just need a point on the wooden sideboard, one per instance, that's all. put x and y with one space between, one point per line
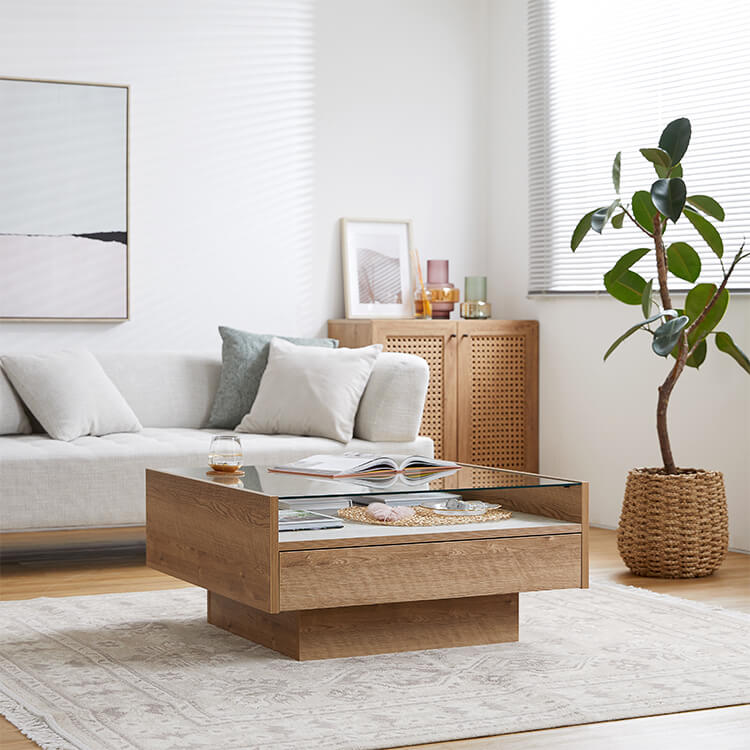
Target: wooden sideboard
482 403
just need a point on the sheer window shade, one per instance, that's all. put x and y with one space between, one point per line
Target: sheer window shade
605 77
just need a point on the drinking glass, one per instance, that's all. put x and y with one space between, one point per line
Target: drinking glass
225 453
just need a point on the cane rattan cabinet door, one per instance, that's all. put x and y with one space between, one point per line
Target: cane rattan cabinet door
436 343
498 394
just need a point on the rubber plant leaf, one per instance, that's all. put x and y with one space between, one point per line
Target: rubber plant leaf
616 166
708 205
725 344
668 334
675 139
683 261
668 195
646 301
601 216
657 156
622 283
706 230
695 302
581 230
644 210
636 327
675 171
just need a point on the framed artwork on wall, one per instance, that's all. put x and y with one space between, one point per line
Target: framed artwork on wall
63 201
377 263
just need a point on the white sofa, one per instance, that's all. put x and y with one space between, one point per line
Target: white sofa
99 481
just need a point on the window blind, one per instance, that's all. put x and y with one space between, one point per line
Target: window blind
608 77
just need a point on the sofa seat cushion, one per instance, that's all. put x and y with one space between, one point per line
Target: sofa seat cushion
100 481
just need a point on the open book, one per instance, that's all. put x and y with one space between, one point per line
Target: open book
364 465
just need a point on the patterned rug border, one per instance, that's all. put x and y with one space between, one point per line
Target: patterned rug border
45 732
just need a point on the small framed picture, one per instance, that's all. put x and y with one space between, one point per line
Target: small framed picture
377 259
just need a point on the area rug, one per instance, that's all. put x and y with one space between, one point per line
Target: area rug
146 671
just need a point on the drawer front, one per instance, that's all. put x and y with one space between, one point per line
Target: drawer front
313 579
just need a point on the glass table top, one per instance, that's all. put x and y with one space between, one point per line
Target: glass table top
295 486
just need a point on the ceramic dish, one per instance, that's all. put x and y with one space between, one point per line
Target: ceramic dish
468 508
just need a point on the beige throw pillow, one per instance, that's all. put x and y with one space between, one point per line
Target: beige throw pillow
13 419
70 394
310 391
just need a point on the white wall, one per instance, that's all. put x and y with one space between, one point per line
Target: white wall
398 116
598 419
207 246
400 129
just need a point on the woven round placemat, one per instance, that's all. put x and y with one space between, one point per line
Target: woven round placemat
423 517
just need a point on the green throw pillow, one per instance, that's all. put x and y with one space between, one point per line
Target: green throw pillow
244 357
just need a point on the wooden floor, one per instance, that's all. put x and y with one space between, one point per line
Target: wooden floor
725 728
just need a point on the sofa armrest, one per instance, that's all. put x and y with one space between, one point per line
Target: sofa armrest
391 406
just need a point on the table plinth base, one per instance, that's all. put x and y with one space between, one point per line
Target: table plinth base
372 629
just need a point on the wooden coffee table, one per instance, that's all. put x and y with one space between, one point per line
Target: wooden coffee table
365 589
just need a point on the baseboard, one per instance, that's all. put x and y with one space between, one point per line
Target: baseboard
26 546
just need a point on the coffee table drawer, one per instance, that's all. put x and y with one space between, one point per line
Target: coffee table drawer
313 579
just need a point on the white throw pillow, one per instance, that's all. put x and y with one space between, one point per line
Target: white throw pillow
13 419
309 390
70 394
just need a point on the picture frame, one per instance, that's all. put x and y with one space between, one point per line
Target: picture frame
377 268
64 231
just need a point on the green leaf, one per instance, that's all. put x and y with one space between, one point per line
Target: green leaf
725 344
683 261
602 215
657 157
706 230
581 230
616 164
617 220
629 259
669 196
698 357
644 210
675 139
675 171
622 283
646 301
708 205
695 302
668 334
634 328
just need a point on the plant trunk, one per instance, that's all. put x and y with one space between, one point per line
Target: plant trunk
665 389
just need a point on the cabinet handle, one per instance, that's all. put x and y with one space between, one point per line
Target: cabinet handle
452 336
464 335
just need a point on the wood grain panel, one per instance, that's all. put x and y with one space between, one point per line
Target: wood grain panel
279 631
223 539
472 532
374 629
561 502
409 572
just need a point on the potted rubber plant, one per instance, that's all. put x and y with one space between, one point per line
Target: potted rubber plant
674 520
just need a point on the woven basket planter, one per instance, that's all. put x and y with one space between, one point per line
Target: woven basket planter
673 525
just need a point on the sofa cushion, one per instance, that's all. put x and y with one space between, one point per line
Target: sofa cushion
244 357
311 391
165 389
70 394
13 419
391 406
100 481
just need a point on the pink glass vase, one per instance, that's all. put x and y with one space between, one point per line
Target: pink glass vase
443 294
